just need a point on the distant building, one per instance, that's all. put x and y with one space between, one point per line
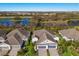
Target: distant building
69 34
73 22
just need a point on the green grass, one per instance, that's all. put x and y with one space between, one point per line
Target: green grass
68 48
28 49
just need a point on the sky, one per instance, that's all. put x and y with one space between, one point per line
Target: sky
39 6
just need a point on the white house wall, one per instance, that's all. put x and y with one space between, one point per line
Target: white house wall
25 39
34 39
56 38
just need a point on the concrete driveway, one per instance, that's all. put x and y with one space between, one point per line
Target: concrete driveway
53 52
42 52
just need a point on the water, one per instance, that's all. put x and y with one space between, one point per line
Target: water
8 22
24 22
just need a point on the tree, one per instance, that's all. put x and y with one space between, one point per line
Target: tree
31 50
68 48
28 49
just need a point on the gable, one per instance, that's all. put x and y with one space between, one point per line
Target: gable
47 41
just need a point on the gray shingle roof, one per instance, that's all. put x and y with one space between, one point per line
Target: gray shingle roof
20 32
43 35
2 39
70 33
12 41
24 32
3 33
16 36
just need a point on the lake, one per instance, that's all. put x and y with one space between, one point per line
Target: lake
10 22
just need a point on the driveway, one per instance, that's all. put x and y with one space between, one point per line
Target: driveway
53 52
42 52
13 52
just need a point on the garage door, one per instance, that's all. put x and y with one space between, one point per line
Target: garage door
53 52
41 46
51 46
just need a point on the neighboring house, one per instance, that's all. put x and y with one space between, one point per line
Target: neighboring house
69 34
12 42
4 49
15 42
16 39
73 22
21 32
44 39
2 39
2 35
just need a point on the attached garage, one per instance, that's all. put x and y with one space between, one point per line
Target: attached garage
42 46
51 46
46 46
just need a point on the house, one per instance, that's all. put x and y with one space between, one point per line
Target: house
69 34
73 22
2 39
15 42
2 35
44 39
16 39
4 49
21 32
